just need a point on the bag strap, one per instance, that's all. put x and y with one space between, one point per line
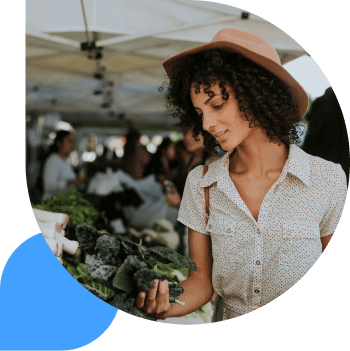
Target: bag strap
206 190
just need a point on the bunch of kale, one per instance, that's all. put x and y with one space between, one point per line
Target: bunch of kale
123 269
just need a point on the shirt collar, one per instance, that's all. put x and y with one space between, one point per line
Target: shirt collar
297 164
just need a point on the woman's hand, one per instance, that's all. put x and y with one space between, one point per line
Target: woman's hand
78 181
156 302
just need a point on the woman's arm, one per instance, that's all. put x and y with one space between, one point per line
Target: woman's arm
198 286
325 240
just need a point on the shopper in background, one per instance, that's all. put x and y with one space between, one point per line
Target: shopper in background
57 174
327 136
192 154
135 158
161 161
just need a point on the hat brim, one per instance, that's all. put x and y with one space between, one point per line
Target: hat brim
173 64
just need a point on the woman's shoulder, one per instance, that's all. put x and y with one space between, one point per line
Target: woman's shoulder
326 170
211 159
53 158
196 174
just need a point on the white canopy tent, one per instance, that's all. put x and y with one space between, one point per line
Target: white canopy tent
136 37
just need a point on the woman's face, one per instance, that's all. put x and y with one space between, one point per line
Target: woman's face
221 118
190 143
171 152
66 146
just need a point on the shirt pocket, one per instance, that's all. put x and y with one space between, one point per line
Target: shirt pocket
224 239
301 243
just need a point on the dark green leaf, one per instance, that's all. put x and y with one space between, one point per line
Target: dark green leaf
144 279
166 255
123 280
87 237
96 287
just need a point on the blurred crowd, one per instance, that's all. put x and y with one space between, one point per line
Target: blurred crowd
171 162
148 186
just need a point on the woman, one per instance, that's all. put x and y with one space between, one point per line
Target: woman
58 175
191 153
263 233
135 158
161 161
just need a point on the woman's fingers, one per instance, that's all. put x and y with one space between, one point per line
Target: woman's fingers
162 298
150 303
156 302
140 300
163 289
153 291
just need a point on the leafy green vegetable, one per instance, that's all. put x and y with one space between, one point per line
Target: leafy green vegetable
173 270
96 287
98 270
79 272
144 279
166 255
80 211
110 250
123 280
87 237
122 267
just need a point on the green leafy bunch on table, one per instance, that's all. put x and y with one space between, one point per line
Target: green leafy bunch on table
116 270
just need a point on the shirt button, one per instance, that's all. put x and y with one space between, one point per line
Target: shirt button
257 291
209 226
257 262
229 230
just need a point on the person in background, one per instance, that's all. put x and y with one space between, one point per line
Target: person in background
57 174
135 158
192 153
327 136
161 161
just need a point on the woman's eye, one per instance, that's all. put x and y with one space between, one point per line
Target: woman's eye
215 107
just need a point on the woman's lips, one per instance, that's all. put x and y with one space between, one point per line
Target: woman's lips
220 135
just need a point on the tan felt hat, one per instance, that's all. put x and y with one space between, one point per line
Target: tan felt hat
253 48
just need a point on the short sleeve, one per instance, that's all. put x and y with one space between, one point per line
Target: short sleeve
192 209
335 207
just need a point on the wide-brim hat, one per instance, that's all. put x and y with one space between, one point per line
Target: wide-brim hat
253 48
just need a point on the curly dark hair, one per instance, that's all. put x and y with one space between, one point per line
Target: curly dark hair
263 99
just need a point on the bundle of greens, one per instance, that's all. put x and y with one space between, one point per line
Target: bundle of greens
72 203
116 270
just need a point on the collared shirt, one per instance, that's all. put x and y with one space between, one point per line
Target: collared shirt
57 172
256 261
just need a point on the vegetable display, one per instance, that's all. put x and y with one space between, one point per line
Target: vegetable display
116 270
52 227
162 233
72 203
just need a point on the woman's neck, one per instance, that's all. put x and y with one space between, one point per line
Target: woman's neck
258 161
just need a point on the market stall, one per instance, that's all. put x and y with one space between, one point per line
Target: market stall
115 269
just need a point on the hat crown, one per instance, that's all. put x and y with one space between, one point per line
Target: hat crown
249 41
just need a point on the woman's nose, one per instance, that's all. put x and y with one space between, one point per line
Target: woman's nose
208 122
